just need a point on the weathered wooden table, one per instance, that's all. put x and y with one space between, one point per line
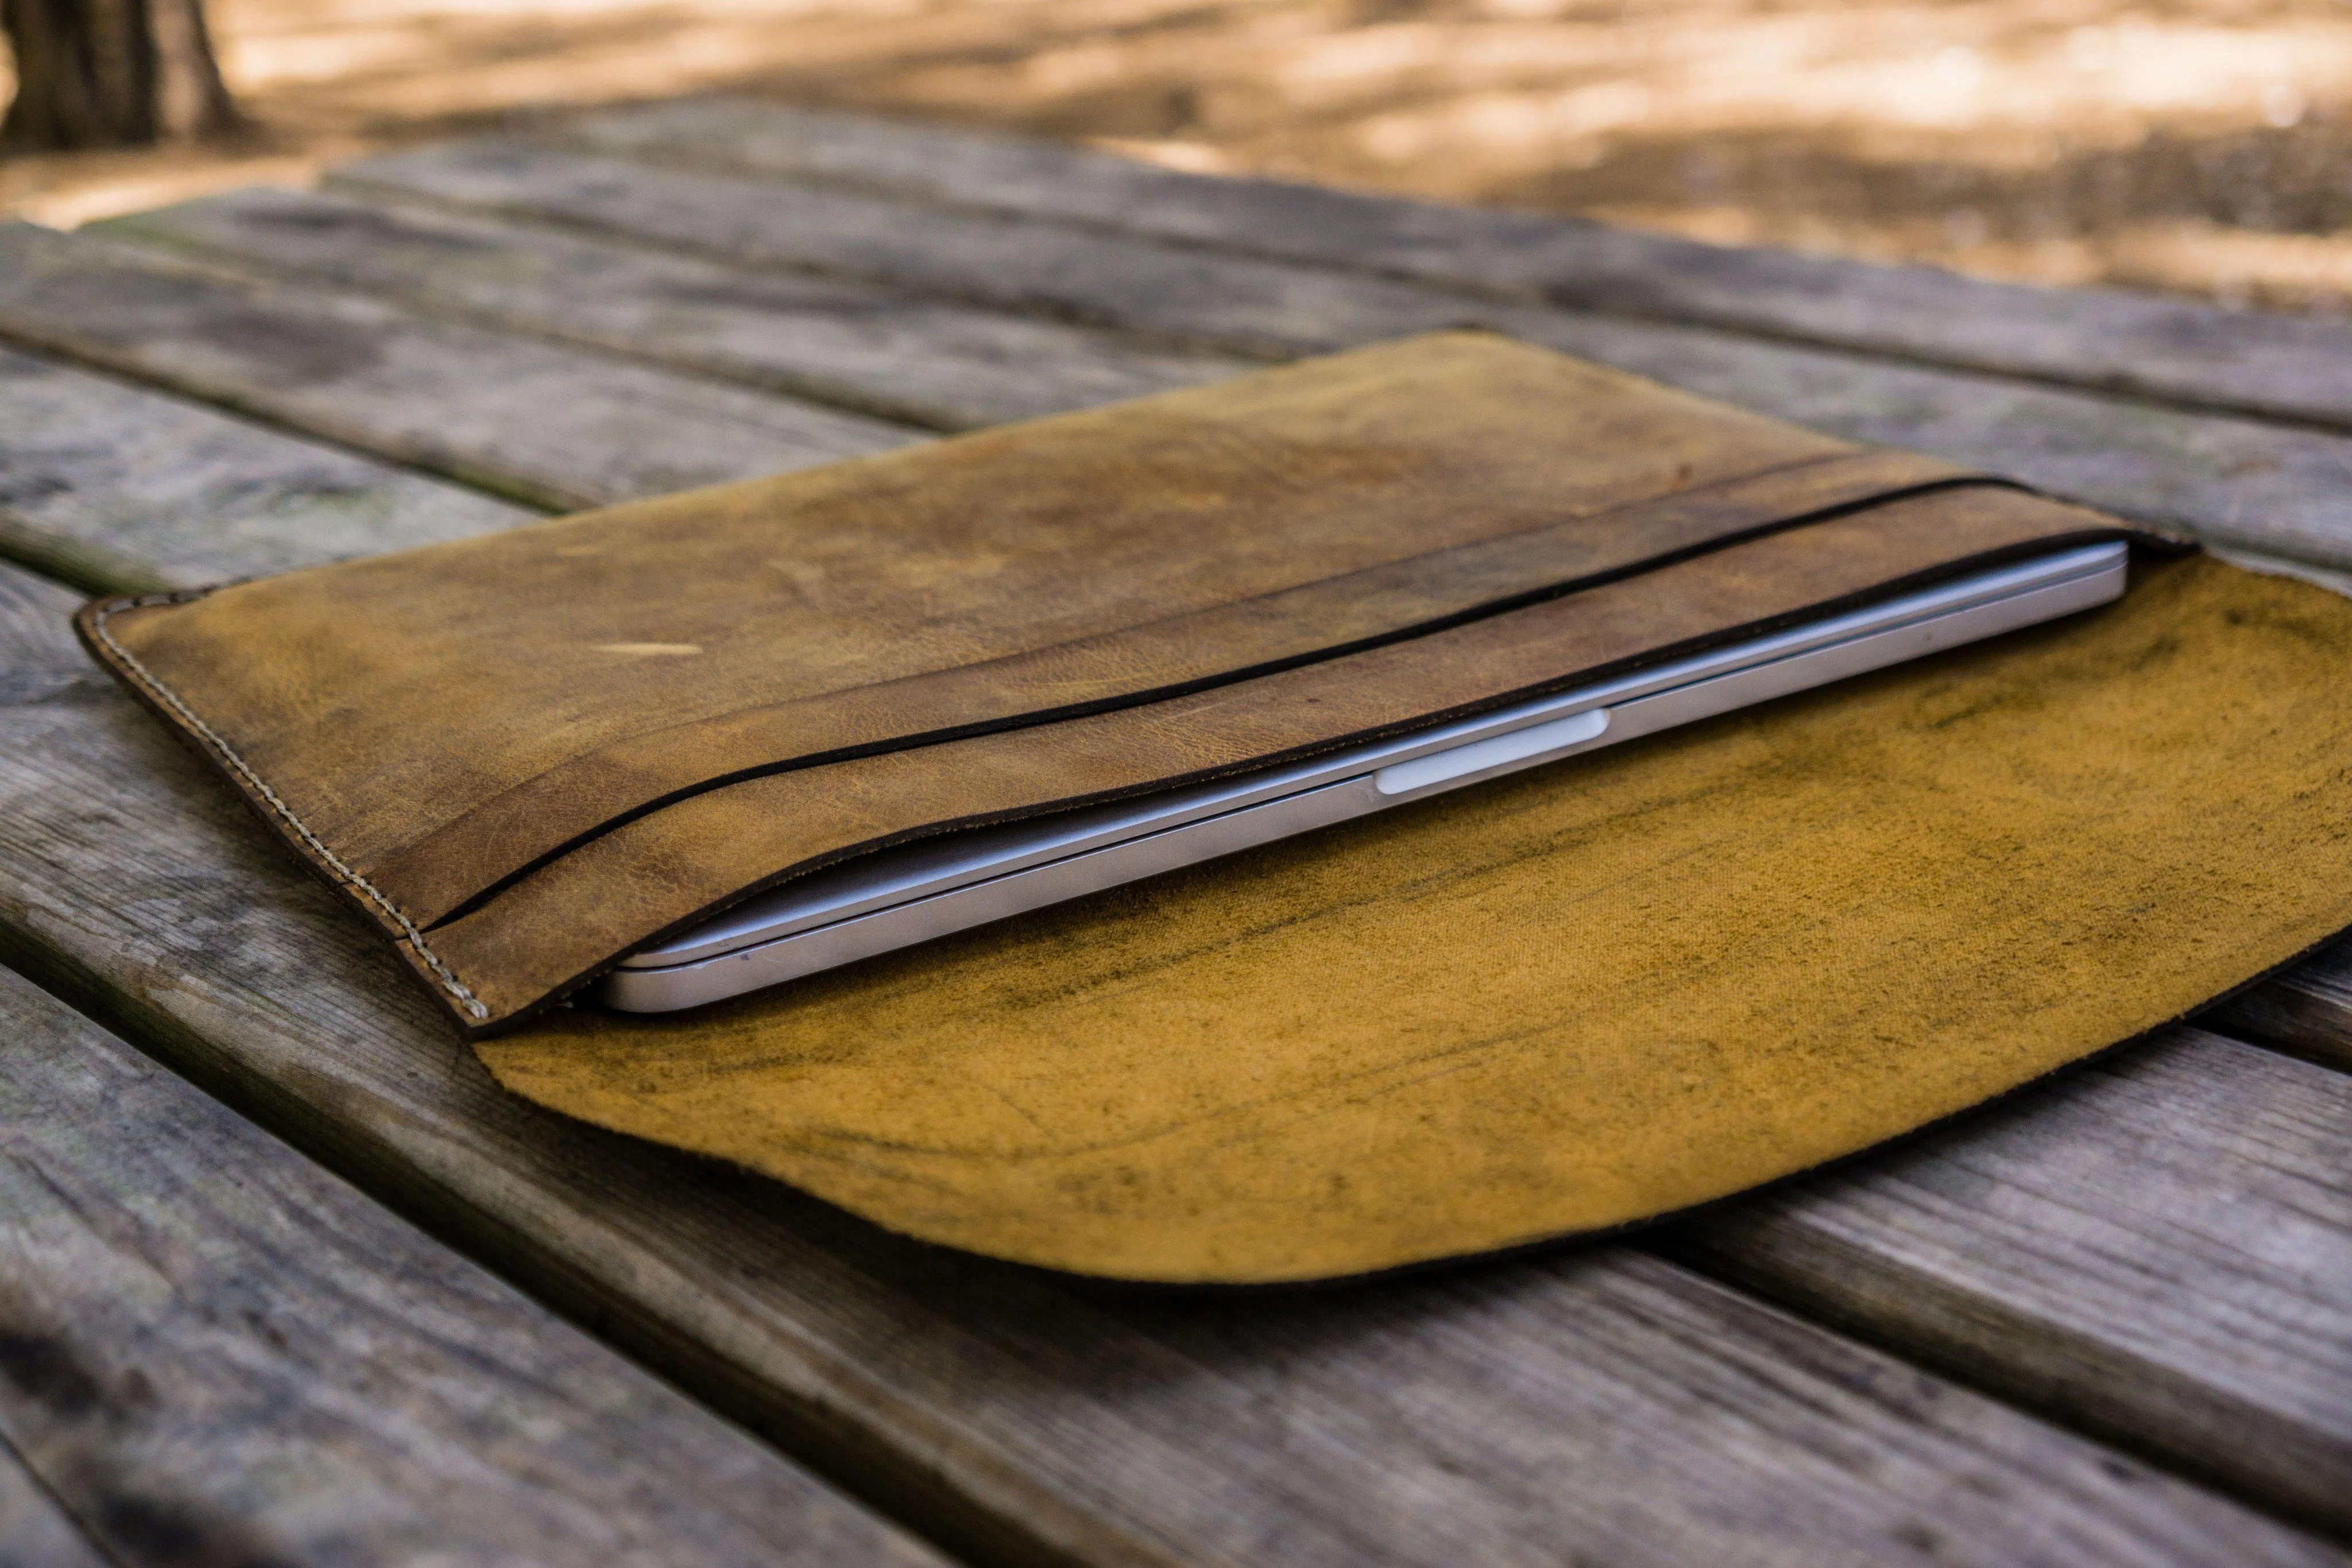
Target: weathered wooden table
291 1281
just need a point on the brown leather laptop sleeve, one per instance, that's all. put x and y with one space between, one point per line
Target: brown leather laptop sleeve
526 755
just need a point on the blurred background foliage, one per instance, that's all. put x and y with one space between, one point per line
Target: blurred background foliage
2202 146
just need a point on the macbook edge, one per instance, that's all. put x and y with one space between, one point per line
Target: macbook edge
895 897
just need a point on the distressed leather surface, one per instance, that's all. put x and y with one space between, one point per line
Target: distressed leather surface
556 926
527 754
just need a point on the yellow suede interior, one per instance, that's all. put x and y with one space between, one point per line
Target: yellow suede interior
1573 999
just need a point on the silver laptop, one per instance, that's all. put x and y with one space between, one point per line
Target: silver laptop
960 880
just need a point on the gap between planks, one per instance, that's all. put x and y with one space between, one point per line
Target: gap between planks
1593 1399
2307 1010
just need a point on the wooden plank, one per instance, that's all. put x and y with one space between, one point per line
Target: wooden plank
2308 1009
2176 350
119 489
946 366
550 425
1595 1404
214 1351
34 1532
2264 487
2160 1248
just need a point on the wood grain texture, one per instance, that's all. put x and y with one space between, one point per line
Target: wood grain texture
2236 481
550 425
116 488
946 366
34 1532
981 1501
1598 1405
2161 1247
211 1350
2308 1009
2176 350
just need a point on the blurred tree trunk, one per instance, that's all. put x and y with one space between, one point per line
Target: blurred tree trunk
111 73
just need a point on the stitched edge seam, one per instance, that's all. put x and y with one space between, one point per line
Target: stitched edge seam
416 938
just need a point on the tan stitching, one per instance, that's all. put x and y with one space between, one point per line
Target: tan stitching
211 737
